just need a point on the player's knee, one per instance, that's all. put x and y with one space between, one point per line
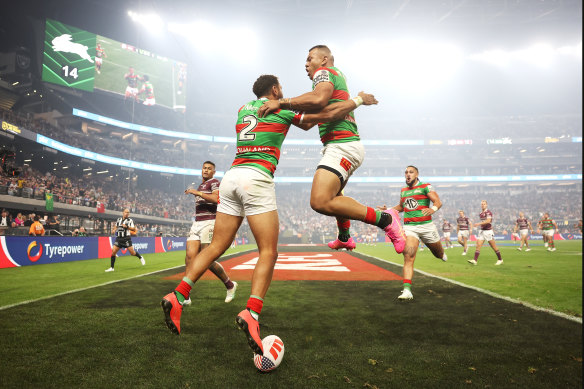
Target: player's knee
319 204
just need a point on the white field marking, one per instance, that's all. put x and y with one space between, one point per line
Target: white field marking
107 283
488 292
316 262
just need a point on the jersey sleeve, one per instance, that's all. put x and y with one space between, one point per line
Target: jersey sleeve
321 75
215 185
428 189
291 117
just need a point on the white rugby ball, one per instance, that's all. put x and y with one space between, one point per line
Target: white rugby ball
273 354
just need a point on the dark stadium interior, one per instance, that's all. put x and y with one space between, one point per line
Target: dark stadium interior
518 121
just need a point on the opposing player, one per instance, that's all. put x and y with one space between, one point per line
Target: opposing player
463 227
148 90
523 225
206 197
415 203
343 153
548 227
486 233
99 56
123 229
247 190
446 229
132 88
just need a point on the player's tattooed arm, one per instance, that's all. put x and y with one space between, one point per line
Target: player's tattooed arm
315 100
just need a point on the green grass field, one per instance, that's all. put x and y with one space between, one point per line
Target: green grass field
161 73
336 333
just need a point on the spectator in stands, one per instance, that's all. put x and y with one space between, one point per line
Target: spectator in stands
82 231
54 222
6 220
29 220
18 220
36 229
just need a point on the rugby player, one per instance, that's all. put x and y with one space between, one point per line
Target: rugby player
463 227
247 190
343 153
99 56
132 88
486 233
206 197
446 229
548 227
523 224
415 203
148 90
123 229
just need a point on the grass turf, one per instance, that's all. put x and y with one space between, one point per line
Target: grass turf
336 333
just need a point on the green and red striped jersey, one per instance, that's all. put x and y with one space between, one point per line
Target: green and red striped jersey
413 200
259 140
547 224
340 131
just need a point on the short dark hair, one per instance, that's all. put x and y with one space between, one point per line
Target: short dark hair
417 171
209 162
265 82
321 47
37 218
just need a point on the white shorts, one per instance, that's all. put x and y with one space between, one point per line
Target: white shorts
447 235
463 234
131 91
98 60
202 231
548 233
523 232
427 233
343 158
151 101
487 235
246 191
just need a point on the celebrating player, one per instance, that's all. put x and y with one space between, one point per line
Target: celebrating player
463 227
415 203
148 90
123 229
446 229
99 56
548 227
132 88
247 190
343 153
486 233
522 224
206 197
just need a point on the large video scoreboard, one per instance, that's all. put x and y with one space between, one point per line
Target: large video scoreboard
79 59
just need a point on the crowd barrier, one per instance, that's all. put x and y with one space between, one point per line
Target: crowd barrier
24 251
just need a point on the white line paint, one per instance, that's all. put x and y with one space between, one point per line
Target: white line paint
488 292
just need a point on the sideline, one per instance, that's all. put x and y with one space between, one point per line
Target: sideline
487 292
111 282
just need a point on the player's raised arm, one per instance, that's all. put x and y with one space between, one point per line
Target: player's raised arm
336 111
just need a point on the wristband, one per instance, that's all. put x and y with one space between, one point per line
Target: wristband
434 208
357 100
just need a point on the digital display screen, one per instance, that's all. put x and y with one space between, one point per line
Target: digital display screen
79 59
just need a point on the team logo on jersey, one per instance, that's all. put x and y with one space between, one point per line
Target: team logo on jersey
30 251
410 203
345 164
63 43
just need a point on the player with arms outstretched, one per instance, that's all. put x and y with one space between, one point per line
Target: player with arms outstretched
247 190
123 229
343 153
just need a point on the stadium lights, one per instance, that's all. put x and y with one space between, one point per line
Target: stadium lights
15 83
151 21
87 169
127 135
102 172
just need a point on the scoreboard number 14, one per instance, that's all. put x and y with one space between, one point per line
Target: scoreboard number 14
69 72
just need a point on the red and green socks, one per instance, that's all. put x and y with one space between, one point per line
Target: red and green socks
183 290
254 306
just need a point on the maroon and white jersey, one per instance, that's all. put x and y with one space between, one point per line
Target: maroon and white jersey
523 224
463 223
204 209
486 214
446 227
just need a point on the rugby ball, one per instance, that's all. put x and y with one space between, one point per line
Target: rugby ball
273 354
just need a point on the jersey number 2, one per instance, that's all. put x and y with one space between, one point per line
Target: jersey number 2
245 134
